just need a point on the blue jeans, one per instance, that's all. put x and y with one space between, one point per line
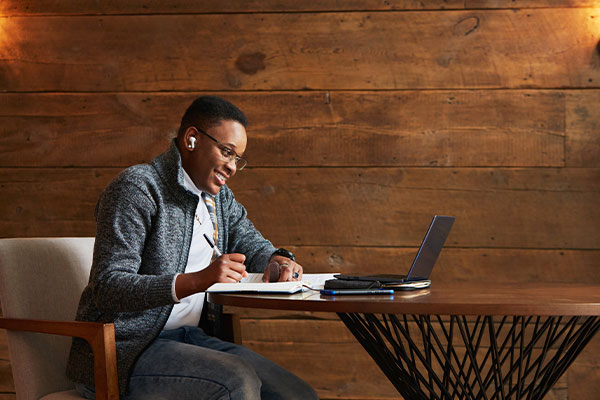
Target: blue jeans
186 363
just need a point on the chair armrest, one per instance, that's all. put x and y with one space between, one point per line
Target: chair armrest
101 338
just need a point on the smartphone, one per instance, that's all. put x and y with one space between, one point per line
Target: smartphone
337 292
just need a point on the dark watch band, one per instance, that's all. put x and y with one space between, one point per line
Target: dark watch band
284 253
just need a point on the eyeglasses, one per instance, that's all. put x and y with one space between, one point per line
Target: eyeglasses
227 152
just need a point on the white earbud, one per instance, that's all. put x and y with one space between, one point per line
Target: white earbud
192 142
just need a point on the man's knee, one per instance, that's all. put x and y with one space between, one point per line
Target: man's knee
300 391
177 368
242 380
237 387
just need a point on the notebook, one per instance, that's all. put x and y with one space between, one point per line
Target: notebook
253 284
421 268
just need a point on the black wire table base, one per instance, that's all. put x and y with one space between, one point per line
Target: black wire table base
485 357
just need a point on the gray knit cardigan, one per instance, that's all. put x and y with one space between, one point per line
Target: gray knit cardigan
144 230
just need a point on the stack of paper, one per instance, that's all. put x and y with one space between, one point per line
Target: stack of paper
253 283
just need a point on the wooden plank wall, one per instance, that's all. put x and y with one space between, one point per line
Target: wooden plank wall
367 117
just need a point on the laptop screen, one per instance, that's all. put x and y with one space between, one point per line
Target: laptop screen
430 248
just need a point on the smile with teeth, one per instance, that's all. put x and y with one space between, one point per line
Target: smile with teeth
220 177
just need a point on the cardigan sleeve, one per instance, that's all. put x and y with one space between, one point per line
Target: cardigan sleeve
240 234
124 217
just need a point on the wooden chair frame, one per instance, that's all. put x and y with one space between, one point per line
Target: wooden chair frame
101 338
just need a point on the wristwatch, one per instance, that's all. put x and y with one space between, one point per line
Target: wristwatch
285 253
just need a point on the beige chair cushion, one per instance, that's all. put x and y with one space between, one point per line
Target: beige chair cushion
68 395
42 278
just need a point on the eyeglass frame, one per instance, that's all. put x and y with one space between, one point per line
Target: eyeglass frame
222 147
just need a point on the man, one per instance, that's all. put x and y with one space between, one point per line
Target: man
152 264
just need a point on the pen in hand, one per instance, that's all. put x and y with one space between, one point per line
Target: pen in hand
214 247
218 252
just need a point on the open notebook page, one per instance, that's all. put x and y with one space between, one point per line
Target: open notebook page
253 283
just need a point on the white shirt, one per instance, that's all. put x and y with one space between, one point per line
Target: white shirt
187 311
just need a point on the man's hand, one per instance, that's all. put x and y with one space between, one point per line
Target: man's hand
229 268
284 268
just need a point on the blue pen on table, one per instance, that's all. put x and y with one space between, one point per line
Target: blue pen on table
337 292
215 248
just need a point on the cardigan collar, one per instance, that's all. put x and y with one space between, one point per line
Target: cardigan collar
168 166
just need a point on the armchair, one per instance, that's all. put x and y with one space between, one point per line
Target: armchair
41 280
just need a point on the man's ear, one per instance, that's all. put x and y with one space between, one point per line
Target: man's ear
189 139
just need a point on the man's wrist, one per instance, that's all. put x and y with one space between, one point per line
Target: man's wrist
283 253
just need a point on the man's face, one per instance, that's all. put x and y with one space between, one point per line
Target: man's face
206 165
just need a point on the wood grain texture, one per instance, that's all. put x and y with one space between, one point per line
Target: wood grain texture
392 207
445 298
60 203
44 7
348 372
3 345
335 332
458 265
391 50
528 3
584 374
348 366
521 128
6 379
74 7
366 117
583 125
349 206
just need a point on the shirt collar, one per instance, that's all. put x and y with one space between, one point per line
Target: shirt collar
189 184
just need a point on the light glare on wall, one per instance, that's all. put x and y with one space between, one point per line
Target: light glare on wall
596 17
2 29
3 35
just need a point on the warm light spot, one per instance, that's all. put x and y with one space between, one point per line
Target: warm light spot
11 32
3 34
7 37
595 26
10 49
595 17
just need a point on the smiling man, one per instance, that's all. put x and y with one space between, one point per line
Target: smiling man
152 264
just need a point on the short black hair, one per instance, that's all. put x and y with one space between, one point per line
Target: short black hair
208 111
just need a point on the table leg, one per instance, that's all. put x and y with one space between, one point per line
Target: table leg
485 357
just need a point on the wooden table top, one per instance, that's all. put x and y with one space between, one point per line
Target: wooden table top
441 298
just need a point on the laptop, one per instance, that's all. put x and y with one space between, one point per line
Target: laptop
420 270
